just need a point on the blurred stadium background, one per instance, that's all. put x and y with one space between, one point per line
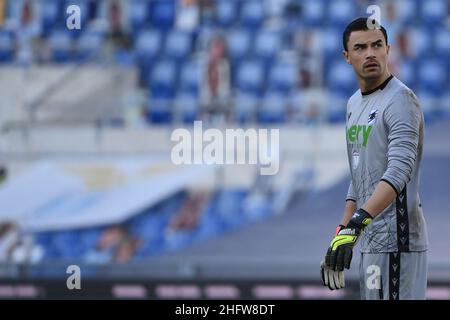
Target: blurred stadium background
86 118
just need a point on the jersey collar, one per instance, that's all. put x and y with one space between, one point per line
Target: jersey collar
380 87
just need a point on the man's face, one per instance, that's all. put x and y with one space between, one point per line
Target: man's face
367 53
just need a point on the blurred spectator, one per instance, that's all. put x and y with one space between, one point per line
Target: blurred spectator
8 237
207 11
216 79
189 214
188 14
126 250
106 248
119 38
2 11
27 33
16 247
3 174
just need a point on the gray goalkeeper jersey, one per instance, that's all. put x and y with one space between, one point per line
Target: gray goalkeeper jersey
384 142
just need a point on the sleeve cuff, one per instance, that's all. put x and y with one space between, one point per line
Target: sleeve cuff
350 199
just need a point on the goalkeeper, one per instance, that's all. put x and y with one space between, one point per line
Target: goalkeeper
384 134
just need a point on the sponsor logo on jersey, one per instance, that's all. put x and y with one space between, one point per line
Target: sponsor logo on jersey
359 134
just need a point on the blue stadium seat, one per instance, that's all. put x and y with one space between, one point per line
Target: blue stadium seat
331 42
442 43
341 12
313 12
273 108
226 12
89 44
191 77
239 42
429 103
420 42
252 14
186 107
434 12
147 49
61 46
250 77
245 107
162 91
406 11
162 14
178 240
50 15
267 44
432 77
138 12
407 72
337 107
341 78
163 78
6 47
67 244
283 76
178 45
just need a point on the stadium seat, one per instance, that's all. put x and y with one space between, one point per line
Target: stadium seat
420 42
273 108
50 15
406 11
283 76
239 44
6 47
267 44
432 77
191 77
138 13
313 12
341 12
226 12
245 107
250 77
186 107
407 72
434 12
178 45
147 49
162 14
429 104
88 45
341 78
163 77
61 46
442 43
252 14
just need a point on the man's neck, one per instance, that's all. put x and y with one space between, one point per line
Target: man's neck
366 85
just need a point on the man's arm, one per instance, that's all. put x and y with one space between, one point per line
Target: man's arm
350 208
383 196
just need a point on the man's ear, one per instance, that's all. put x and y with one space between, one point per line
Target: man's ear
345 54
388 47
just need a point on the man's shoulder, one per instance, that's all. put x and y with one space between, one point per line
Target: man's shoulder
355 98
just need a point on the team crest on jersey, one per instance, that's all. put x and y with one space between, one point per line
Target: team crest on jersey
372 116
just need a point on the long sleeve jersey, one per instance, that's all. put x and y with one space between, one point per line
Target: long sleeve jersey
384 131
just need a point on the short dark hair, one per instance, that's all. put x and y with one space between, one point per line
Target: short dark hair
359 24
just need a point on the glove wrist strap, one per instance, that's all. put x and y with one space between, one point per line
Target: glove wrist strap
360 219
